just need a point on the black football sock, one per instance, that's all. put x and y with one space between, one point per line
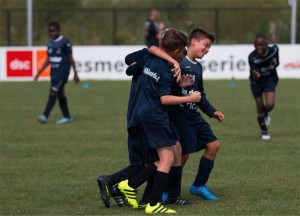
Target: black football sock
265 110
63 103
50 105
160 182
125 173
262 123
143 176
148 190
174 184
204 170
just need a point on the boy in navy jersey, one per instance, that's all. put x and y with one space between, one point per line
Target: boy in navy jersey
60 58
263 78
148 118
107 183
148 122
195 133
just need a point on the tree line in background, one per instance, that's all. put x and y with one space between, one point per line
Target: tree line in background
120 22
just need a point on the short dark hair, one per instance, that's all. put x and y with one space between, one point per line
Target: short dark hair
172 39
199 34
262 36
54 24
155 9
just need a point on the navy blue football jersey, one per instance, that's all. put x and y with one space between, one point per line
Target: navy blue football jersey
189 110
153 81
265 65
58 51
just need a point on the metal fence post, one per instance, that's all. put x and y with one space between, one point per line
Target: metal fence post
29 22
293 4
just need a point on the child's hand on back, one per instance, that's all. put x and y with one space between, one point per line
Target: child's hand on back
177 71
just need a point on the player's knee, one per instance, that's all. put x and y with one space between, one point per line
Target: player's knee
213 146
168 161
177 160
270 106
184 159
53 93
177 150
171 160
61 94
61 97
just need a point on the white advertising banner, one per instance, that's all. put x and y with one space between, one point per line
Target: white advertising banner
102 62
231 61
107 62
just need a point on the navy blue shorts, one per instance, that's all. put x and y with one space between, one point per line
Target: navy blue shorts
136 150
194 135
143 140
155 135
174 131
259 88
58 85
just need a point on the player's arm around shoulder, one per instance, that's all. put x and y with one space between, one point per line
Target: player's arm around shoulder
154 50
135 56
135 68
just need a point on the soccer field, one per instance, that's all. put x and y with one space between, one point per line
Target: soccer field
52 169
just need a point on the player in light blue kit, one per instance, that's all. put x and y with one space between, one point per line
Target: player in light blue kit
60 58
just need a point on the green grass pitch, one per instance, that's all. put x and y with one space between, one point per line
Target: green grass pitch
52 169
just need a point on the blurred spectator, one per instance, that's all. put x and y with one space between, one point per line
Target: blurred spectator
152 28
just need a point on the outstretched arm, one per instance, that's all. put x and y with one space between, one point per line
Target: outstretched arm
219 116
46 63
72 62
277 60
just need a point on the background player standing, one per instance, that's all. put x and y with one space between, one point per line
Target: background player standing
60 58
152 28
263 80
